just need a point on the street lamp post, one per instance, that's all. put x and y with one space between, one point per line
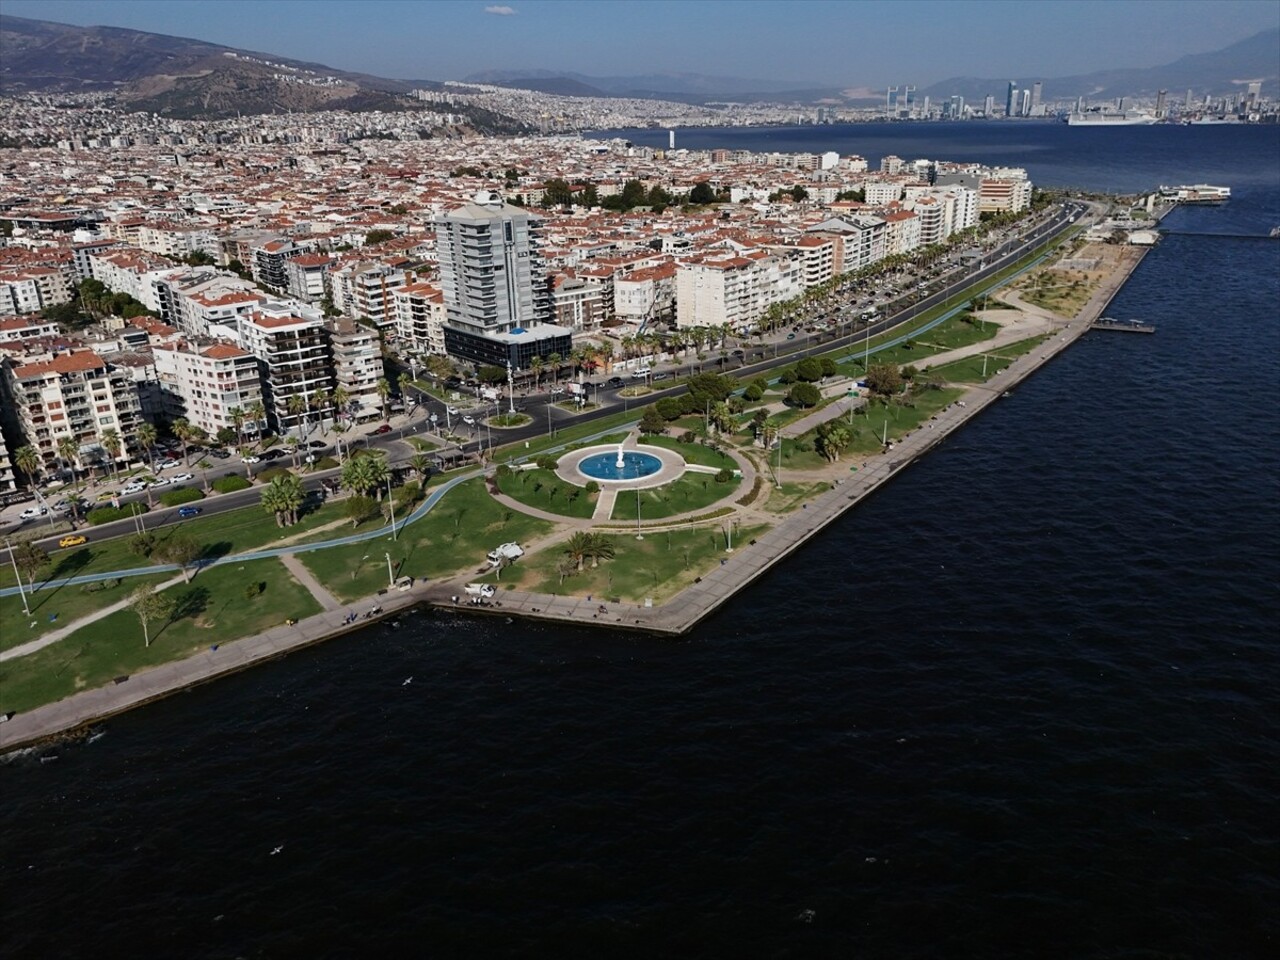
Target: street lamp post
511 391
17 576
639 535
391 577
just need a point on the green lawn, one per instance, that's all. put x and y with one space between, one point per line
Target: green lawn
789 496
543 490
422 446
691 493
659 566
565 436
693 452
67 603
900 417
213 608
970 369
453 537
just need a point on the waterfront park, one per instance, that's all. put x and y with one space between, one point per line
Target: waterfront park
632 508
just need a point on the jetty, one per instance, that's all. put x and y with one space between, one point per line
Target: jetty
1124 326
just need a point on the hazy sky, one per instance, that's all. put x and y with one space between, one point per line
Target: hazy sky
835 42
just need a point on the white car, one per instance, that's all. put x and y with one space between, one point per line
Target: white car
159 482
453 411
182 478
134 487
469 420
252 459
166 464
32 512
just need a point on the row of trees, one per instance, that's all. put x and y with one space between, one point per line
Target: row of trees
558 192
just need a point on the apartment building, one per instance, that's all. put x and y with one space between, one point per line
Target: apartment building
357 364
307 276
363 289
76 394
8 476
816 257
730 292
902 232
646 295
295 359
267 263
29 289
577 303
1004 195
205 381
177 240
420 316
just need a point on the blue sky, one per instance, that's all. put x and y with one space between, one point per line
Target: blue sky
837 43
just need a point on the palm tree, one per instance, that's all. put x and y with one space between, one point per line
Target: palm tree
293 443
384 391
69 450
284 497
296 405
553 360
182 429
421 465
237 416
577 548
147 434
536 366
340 400
113 445
599 548
258 414
321 398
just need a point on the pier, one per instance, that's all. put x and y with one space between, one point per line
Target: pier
1123 326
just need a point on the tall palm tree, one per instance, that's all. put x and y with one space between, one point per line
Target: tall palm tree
237 416
340 400
27 459
296 405
536 366
147 434
578 548
553 361
599 548
69 451
183 430
112 443
293 443
258 414
320 400
284 497
420 463
383 387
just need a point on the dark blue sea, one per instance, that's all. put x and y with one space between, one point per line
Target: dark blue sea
1020 704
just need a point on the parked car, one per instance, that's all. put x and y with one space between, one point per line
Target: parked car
74 540
136 486
317 444
159 482
166 464
272 454
182 478
220 454
188 511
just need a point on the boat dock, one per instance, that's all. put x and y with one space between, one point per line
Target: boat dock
1125 326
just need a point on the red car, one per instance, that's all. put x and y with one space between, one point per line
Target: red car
378 431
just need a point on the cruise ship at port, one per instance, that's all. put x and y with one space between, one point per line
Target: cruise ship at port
1111 118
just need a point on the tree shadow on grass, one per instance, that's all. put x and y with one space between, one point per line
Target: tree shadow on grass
69 564
212 552
189 605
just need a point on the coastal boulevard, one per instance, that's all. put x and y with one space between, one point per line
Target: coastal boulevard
735 570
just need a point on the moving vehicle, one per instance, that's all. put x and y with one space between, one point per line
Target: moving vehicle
251 459
135 486
380 430
507 551
32 512
480 590
613 382
640 373
188 511
182 478
317 444
74 540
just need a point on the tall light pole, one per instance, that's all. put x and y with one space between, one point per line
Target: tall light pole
639 535
391 502
391 577
511 390
17 576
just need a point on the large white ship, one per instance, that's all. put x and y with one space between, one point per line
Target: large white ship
1110 118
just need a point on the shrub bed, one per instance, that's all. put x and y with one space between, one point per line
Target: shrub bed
172 498
100 515
231 483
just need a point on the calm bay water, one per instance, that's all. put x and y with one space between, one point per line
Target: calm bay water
1020 704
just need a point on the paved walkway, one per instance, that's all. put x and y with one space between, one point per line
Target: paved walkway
304 577
53 636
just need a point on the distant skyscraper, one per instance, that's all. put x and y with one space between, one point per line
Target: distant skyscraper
1025 110
1010 99
1186 104
671 139
989 106
1160 105
1255 91
1035 96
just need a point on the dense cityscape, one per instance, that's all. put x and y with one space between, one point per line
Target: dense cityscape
184 268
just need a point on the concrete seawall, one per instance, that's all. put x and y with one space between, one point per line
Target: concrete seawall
748 562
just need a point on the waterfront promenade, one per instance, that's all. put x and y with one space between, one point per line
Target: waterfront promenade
676 616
